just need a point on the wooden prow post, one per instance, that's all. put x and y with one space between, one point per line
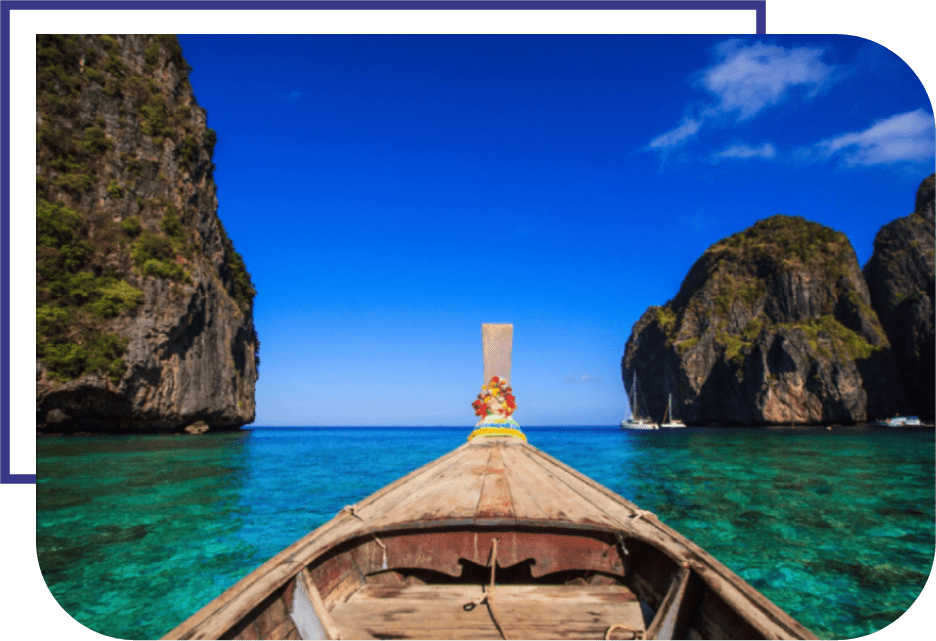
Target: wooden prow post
497 342
496 403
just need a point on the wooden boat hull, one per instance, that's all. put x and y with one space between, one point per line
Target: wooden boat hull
496 539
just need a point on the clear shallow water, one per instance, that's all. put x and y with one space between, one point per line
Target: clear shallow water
135 533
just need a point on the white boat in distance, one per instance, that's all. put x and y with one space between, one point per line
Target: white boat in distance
637 422
901 421
672 422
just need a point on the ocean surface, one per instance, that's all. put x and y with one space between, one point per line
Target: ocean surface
135 533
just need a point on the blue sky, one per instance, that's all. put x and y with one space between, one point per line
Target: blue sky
391 193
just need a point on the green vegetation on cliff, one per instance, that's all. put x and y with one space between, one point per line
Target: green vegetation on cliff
847 342
782 242
107 123
741 271
74 291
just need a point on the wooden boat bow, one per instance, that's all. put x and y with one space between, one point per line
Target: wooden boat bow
436 526
495 539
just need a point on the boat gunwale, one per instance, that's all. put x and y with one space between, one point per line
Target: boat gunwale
698 560
238 600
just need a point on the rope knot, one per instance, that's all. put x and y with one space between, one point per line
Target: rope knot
635 634
349 509
488 596
642 514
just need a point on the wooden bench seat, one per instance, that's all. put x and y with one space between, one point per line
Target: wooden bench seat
524 612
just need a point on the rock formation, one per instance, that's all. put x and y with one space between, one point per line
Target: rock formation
772 325
144 311
900 277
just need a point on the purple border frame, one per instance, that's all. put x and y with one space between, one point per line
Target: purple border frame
759 6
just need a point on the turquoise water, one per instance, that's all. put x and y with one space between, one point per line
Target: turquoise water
135 533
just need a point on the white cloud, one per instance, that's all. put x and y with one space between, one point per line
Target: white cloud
904 137
745 80
751 78
742 151
676 136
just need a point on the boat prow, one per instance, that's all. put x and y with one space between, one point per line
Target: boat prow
494 539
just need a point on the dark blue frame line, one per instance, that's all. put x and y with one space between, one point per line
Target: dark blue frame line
759 6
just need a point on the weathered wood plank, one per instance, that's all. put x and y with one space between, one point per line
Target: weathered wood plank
548 491
495 506
377 503
335 578
442 550
451 493
324 616
283 630
664 623
523 497
524 611
593 497
497 346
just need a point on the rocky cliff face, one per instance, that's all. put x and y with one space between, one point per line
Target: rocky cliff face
900 277
144 311
772 325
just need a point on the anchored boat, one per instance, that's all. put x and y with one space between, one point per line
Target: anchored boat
901 421
637 422
495 539
670 421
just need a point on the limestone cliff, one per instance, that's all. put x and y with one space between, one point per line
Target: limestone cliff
144 311
900 276
772 325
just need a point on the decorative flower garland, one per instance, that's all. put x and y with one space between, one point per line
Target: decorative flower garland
496 399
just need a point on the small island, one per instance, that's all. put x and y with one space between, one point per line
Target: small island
779 325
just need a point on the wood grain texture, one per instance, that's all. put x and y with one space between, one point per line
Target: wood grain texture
524 611
497 348
550 495
448 492
495 505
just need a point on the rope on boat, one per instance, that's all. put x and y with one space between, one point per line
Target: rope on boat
620 541
636 634
488 596
350 510
382 545
641 513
